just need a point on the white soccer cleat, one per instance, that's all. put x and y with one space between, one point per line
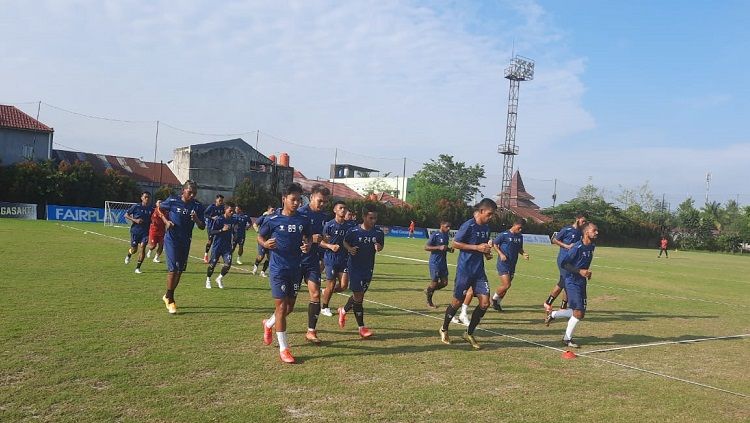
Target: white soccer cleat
455 320
148 254
464 319
239 261
263 274
255 269
156 259
208 283
138 271
326 312
127 260
218 282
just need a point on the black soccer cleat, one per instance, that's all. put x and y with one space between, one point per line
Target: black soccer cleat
570 343
496 306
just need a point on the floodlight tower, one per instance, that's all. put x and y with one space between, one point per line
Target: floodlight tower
520 69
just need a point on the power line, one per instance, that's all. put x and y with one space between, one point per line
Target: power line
98 117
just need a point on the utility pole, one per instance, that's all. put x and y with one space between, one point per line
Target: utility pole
554 194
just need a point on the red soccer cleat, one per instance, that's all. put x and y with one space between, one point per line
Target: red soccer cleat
267 334
286 356
342 317
365 333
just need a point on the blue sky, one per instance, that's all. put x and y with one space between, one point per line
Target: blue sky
624 92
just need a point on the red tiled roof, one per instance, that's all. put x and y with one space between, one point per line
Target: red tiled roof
530 214
136 169
386 198
337 190
11 117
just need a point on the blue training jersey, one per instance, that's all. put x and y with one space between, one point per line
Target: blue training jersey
361 265
212 211
567 235
510 244
471 263
239 225
335 232
438 259
288 232
178 212
579 256
222 240
317 220
139 211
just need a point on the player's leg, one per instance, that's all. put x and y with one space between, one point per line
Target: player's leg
505 282
258 258
141 252
208 246
212 261
267 257
174 267
460 290
133 246
151 244
241 245
577 302
463 316
330 274
359 287
226 257
313 307
159 249
482 290
432 287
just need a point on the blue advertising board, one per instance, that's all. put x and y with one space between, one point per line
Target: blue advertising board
402 232
83 214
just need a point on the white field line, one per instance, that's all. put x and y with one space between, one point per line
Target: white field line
653 344
674 297
497 333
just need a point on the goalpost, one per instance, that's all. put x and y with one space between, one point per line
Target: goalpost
114 213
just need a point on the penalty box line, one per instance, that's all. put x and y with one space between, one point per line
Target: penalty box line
653 344
627 366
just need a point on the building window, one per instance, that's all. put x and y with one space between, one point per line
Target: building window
28 151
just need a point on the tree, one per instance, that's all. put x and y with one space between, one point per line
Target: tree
380 185
253 199
456 177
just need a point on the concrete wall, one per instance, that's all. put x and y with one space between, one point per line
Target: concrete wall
12 142
363 185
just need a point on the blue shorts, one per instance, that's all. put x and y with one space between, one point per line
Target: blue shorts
576 295
225 256
138 237
479 283
261 250
311 273
561 281
437 273
177 255
359 283
238 241
285 283
332 269
505 268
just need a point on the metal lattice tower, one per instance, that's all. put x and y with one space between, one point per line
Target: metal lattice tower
520 69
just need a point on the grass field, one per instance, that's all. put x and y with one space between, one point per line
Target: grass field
83 338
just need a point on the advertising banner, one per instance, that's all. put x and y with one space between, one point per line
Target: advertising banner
402 232
83 214
17 210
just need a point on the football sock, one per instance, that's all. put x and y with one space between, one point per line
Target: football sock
265 265
359 313
224 270
313 311
550 300
496 297
571 327
170 295
208 247
258 260
210 270
562 313
476 317
281 336
564 304
271 321
138 265
325 305
430 291
349 304
450 312
464 308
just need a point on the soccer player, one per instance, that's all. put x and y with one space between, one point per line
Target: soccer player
411 229
180 215
240 223
262 253
663 246
565 238
315 213
438 247
287 234
221 246
140 215
156 233
335 257
472 242
212 212
508 245
361 242
576 262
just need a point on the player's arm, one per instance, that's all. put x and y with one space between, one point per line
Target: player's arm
380 242
164 215
264 235
213 230
558 241
198 217
430 245
352 250
483 247
326 242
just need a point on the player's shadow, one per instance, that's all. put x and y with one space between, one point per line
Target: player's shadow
221 310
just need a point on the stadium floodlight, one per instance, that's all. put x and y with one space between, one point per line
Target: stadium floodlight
520 69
